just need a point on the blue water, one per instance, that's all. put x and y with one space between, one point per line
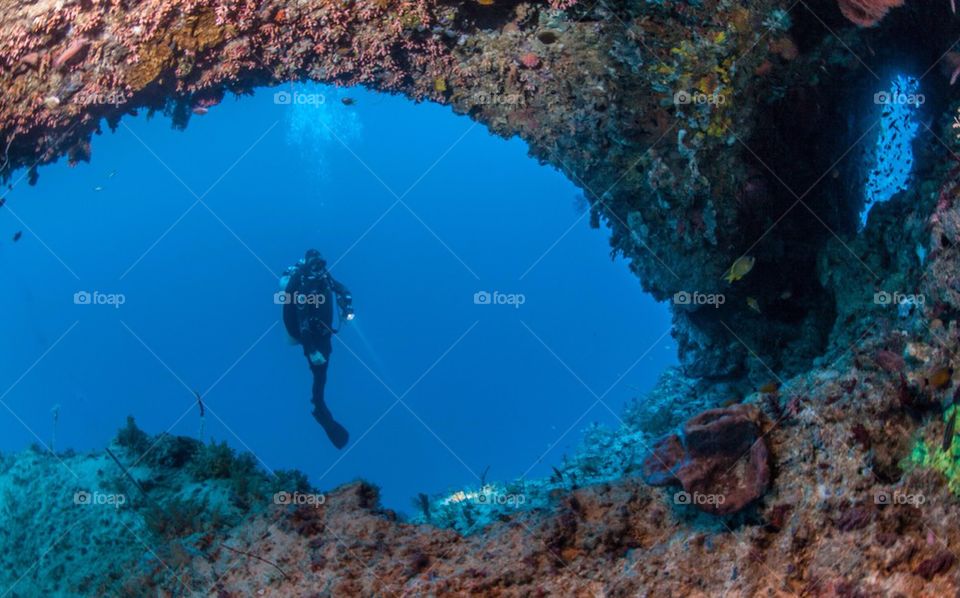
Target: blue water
892 164
479 385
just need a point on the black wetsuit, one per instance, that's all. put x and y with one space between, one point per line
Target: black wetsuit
308 318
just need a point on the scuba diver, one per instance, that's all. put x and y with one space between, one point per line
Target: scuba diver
308 292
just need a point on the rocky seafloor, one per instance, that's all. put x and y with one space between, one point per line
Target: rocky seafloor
804 447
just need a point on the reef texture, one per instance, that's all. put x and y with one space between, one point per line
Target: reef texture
701 133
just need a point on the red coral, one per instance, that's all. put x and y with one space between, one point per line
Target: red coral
867 13
854 518
936 565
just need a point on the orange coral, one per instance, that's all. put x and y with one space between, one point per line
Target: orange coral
867 13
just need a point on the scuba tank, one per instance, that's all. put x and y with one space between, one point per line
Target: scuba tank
282 291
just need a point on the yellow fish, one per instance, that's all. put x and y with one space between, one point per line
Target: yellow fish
940 378
752 304
440 84
740 268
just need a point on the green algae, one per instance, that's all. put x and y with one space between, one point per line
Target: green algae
932 456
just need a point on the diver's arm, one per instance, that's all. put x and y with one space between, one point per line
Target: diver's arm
344 298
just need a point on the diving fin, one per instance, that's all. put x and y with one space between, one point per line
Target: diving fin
337 434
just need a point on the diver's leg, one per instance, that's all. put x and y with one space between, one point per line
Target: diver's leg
337 434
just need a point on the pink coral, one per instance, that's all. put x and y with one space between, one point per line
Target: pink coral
73 53
530 60
867 13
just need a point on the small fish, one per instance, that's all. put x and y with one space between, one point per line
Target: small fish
98 188
348 101
949 432
752 304
770 387
17 235
485 2
786 294
440 84
200 110
940 378
112 174
740 268
557 475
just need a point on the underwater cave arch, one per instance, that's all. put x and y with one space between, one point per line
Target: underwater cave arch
224 256
598 92
572 81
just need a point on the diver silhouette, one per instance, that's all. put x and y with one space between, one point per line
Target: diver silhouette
308 293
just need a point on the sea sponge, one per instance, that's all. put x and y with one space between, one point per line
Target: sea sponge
152 62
